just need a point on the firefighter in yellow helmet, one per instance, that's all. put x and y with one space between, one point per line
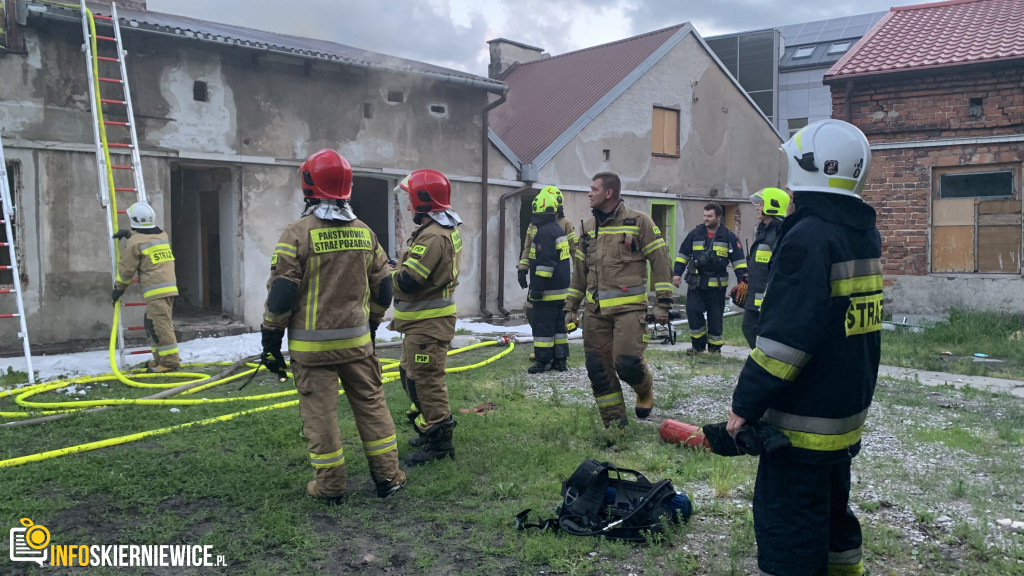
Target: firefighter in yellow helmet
610 273
549 260
147 251
772 205
425 282
326 269
523 268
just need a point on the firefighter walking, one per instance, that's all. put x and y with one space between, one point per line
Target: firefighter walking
326 268
549 260
772 205
701 262
610 272
523 268
813 372
425 282
147 252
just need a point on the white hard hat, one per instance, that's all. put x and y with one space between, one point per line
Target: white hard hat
141 215
828 156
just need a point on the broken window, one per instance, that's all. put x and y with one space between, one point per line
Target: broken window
665 132
976 220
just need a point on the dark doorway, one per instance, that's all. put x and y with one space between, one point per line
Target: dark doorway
371 201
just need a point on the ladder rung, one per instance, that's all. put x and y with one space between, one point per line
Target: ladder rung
6 291
4 244
114 80
6 268
122 211
124 189
115 123
8 315
141 351
136 328
115 167
107 59
108 101
118 145
98 17
109 38
134 303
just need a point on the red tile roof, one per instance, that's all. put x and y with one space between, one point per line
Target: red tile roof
547 96
935 35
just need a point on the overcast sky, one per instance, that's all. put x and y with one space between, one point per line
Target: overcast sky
453 33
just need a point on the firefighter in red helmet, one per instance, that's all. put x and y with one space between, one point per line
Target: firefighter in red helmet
425 282
325 267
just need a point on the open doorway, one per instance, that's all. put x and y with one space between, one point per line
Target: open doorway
373 203
203 236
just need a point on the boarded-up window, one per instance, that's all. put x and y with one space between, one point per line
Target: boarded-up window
665 132
976 220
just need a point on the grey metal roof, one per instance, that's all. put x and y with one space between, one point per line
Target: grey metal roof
202 30
829 30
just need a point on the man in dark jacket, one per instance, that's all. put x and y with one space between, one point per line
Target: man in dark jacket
813 372
703 257
772 205
549 265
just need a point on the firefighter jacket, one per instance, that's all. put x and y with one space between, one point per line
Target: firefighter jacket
148 252
425 282
531 231
610 265
705 259
813 371
550 262
758 261
324 274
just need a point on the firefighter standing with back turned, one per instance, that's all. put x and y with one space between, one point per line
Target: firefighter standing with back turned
703 257
425 282
610 271
523 268
148 252
550 262
329 286
772 205
813 372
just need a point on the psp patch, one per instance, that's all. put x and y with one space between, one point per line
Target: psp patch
423 358
831 167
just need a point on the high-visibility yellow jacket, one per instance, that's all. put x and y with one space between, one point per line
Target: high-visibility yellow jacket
431 260
610 265
148 252
531 232
324 275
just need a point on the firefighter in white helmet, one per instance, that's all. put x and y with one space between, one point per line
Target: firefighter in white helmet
147 251
813 372
329 287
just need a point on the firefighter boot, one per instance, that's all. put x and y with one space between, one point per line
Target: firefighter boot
644 403
559 365
697 346
715 349
538 367
388 486
313 491
437 444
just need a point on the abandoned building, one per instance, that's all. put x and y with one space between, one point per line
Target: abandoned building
939 91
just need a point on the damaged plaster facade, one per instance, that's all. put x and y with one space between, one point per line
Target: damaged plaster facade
220 170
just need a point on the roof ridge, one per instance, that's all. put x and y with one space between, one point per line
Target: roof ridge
631 38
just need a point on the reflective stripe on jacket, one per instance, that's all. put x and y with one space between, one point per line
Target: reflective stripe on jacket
814 369
550 261
759 261
148 254
432 258
531 231
711 272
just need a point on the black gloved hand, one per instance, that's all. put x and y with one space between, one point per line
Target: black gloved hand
373 333
271 356
123 234
522 279
116 295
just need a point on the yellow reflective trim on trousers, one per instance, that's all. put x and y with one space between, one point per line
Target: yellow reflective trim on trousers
425 314
328 345
776 368
715 342
609 400
846 569
539 344
382 446
622 301
856 285
160 291
700 334
167 352
330 460
561 340
823 442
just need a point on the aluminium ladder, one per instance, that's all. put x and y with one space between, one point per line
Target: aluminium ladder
108 69
8 217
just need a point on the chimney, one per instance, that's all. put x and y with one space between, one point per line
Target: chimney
104 5
505 53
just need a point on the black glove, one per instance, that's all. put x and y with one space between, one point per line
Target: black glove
373 334
522 279
271 356
123 234
116 295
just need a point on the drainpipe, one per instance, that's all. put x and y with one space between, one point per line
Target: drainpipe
847 107
484 148
501 245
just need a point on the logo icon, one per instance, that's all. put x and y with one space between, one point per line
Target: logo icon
831 167
28 544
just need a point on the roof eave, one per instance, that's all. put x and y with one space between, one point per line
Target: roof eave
837 78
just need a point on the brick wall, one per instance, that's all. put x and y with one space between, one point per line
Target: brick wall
928 106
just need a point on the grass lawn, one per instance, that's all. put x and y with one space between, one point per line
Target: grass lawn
939 467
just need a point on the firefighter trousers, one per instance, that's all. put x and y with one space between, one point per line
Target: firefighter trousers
422 371
613 345
160 331
710 301
802 519
550 341
318 407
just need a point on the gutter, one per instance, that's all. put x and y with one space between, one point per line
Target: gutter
847 107
485 145
501 244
